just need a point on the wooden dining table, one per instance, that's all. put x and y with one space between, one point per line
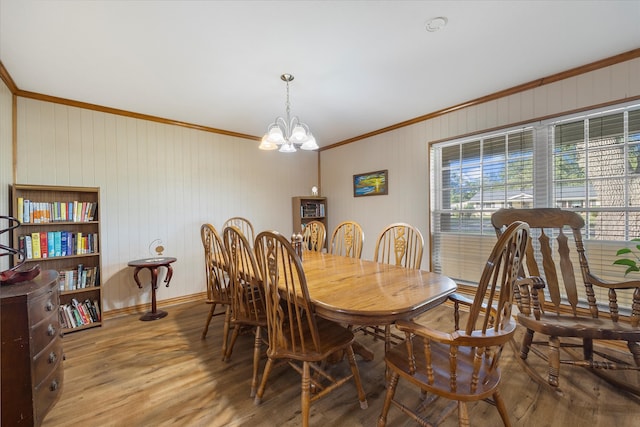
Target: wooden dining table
361 292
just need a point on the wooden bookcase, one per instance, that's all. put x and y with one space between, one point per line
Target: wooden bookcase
41 213
305 209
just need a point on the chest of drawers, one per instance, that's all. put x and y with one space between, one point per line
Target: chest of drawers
31 350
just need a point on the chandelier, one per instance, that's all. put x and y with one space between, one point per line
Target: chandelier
289 132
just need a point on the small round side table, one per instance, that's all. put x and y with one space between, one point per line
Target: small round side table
153 264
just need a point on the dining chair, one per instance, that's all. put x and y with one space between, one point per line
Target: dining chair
567 310
296 334
398 244
244 225
463 365
218 289
314 235
347 240
248 303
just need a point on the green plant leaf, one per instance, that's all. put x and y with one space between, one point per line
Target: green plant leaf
623 251
631 269
628 262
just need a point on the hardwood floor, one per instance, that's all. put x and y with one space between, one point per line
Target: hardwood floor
160 373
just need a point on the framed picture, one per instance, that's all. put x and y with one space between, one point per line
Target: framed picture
371 184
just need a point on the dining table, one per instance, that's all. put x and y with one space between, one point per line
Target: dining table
360 292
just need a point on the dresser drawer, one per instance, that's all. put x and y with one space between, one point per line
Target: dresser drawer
47 393
44 332
43 305
46 361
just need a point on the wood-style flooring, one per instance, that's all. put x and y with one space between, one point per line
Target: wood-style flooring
160 373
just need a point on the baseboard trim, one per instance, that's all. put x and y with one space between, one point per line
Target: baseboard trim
143 308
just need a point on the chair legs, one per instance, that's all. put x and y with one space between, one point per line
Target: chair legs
263 383
502 408
391 391
362 397
209 317
257 344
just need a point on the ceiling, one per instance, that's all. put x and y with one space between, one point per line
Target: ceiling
359 66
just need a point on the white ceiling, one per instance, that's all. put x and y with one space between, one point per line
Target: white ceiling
359 66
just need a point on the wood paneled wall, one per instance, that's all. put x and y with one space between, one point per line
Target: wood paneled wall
6 161
404 152
157 181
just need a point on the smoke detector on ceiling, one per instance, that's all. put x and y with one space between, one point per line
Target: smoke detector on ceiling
436 24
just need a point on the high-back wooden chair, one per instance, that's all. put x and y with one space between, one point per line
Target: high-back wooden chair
244 225
314 235
248 303
462 365
555 306
347 240
296 334
400 244
218 290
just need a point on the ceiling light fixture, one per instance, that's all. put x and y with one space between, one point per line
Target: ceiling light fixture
288 132
436 24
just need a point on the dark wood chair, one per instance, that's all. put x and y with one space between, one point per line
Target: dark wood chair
564 316
218 289
296 334
347 240
314 235
462 365
244 225
248 304
398 244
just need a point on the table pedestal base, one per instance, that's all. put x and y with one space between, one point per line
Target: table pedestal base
153 264
159 314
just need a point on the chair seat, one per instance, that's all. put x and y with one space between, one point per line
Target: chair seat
333 337
398 360
567 325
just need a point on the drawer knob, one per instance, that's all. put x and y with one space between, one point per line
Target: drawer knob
48 306
51 331
54 385
52 357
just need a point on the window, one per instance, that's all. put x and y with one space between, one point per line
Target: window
588 163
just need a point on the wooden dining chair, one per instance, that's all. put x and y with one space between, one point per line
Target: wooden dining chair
244 225
398 244
462 365
561 304
218 290
314 234
347 240
248 303
296 334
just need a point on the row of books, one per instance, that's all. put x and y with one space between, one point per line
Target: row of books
49 244
78 278
43 212
311 210
76 314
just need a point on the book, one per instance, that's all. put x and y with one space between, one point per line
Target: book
57 243
26 210
44 245
20 209
63 244
28 246
78 284
51 243
35 241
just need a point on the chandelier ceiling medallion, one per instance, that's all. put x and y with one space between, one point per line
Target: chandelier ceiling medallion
289 132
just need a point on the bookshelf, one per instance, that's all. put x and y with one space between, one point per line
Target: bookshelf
60 230
305 209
